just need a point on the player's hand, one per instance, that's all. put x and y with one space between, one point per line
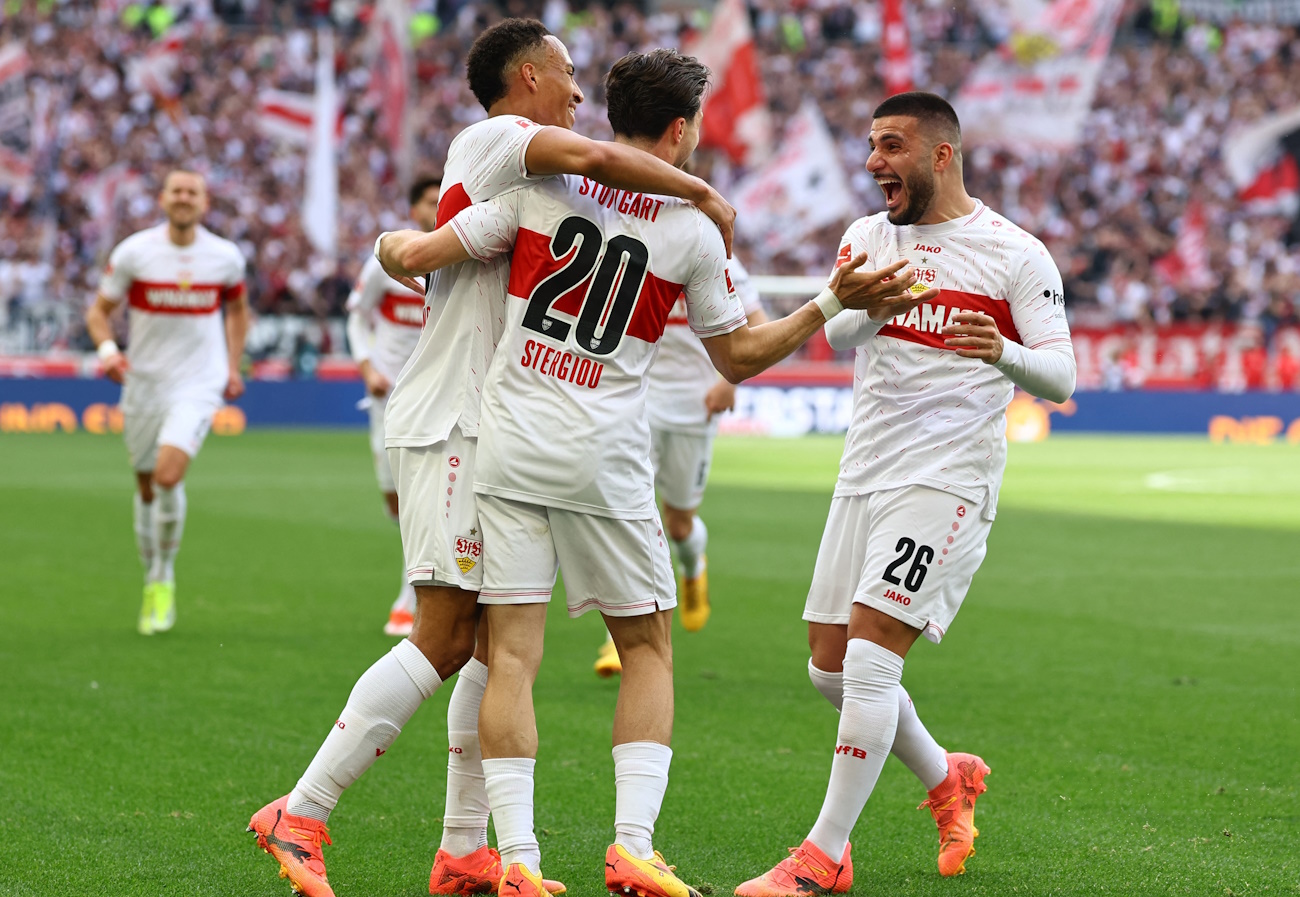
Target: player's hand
414 284
383 252
882 293
720 397
234 386
115 367
974 335
723 215
377 384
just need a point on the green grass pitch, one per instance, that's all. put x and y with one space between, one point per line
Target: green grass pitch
1127 662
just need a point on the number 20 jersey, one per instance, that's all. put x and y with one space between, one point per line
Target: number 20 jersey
594 275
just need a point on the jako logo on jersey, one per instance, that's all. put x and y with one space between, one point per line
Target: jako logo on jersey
561 365
895 596
850 751
638 205
933 250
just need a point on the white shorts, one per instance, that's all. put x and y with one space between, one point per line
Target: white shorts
681 462
183 423
909 552
383 467
620 567
438 513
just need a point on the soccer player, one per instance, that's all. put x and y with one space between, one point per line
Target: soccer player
919 480
384 322
523 77
564 478
176 277
684 397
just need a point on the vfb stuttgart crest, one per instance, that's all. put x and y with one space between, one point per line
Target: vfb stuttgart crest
468 552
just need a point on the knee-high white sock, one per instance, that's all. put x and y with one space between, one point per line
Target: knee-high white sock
509 782
380 704
690 551
144 534
168 525
640 780
831 685
867 725
916 747
465 819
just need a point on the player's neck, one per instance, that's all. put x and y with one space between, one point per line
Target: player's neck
660 149
182 236
958 204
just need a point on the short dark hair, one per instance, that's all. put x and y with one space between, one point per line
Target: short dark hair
646 92
421 184
933 112
498 50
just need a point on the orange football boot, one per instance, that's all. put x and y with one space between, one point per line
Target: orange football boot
695 608
807 870
477 873
625 876
519 882
400 622
295 842
952 804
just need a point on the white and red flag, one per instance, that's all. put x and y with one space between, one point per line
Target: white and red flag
1263 161
16 140
390 80
1035 91
158 70
1187 265
896 46
285 115
320 202
736 118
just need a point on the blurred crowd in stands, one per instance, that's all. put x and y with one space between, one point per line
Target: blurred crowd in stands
1171 91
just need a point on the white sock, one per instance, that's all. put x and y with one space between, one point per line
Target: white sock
509 782
381 702
168 525
916 747
465 819
690 551
640 780
405 597
867 724
144 535
831 685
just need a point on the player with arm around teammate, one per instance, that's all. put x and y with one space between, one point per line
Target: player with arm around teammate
594 274
176 279
919 480
384 322
523 77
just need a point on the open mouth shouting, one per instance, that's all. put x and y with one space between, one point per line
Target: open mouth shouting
892 187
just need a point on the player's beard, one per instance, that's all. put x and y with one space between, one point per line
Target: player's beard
920 194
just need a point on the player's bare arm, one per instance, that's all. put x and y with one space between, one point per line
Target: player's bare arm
377 384
100 328
558 151
406 254
747 351
721 396
236 311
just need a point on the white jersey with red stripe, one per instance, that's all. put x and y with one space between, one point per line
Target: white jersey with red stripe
174 295
396 313
441 387
594 275
682 373
922 414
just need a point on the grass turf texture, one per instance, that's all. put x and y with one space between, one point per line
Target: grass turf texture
1126 662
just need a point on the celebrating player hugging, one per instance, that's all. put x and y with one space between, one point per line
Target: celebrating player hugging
592 280
919 479
176 278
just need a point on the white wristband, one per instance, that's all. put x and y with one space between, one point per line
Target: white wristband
377 242
107 349
829 303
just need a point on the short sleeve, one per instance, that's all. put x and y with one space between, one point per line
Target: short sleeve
234 288
488 229
712 306
119 274
1038 301
744 285
502 165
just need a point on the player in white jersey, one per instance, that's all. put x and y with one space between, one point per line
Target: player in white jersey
918 484
523 78
684 397
564 476
384 322
176 278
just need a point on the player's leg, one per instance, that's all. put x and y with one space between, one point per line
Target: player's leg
401 615
681 473
140 432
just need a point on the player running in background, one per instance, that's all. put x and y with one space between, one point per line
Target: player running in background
564 477
919 480
176 278
523 76
684 398
384 322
